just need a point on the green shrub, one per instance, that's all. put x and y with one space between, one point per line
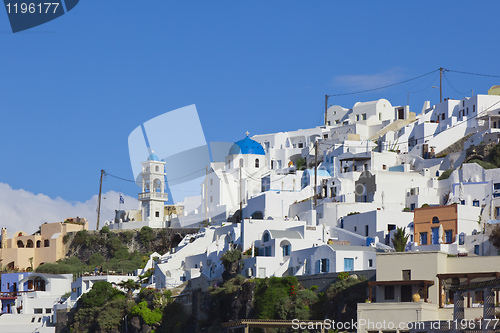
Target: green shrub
127 236
149 316
483 164
446 174
65 239
96 259
282 298
105 230
100 293
146 235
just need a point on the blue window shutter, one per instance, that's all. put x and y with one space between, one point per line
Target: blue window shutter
327 265
318 266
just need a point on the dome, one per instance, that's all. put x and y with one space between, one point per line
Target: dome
153 157
246 146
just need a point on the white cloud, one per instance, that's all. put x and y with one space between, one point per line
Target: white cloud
26 211
369 81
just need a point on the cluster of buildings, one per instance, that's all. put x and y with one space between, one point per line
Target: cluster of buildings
330 199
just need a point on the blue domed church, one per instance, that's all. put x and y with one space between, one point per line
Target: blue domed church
238 179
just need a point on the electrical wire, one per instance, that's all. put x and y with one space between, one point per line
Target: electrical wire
127 180
452 87
383 87
477 74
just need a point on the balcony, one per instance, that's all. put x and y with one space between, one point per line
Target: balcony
153 195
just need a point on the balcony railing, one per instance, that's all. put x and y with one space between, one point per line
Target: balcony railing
153 195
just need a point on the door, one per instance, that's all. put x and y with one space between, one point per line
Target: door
348 264
435 235
406 293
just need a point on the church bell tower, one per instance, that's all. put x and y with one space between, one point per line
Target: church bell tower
153 194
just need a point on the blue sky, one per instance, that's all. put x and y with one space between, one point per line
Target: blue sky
73 89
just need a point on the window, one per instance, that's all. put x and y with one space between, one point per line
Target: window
370 262
406 274
157 169
355 229
389 292
325 136
380 116
412 207
211 199
384 167
448 234
211 181
423 238
301 145
357 117
435 219
257 163
157 214
38 311
462 202
266 237
461 239
48 310
496 186
467 111
286 250
476 249
38 243
363 116
475 203
46 243
442 116
337 122
474 108
366 230
325 265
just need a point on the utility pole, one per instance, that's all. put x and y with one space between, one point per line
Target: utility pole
99 201
326 108
441 69
315 171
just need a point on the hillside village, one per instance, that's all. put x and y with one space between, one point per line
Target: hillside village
408 201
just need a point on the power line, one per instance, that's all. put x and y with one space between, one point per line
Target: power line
477 74
383 87
127 180
458 92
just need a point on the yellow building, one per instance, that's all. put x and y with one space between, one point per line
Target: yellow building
24 251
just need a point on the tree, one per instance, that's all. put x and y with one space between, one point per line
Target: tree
230 260
101 293
400 240
129 285
494 237
494 155
300 163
